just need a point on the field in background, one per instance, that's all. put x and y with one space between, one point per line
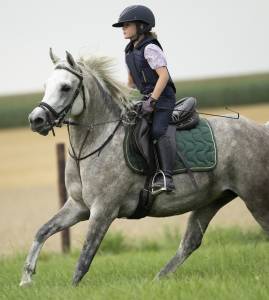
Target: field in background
229 265
248 89
28 192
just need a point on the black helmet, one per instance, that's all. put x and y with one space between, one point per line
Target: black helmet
139 13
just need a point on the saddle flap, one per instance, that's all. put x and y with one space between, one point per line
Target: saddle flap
142 138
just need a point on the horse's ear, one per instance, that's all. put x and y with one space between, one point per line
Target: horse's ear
53 57
70 60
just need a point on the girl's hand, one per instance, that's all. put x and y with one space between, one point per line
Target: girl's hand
148 105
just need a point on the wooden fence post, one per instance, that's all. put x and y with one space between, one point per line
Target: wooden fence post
65 234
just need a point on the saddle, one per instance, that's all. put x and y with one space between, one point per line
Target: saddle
184 116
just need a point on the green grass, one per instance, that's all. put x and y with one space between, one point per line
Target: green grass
234 90
230 264
14 109
250 89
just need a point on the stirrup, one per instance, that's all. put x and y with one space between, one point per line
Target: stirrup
156 190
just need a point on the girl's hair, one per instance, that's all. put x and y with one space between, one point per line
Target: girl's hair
151 34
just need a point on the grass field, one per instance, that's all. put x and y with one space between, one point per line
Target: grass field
229 265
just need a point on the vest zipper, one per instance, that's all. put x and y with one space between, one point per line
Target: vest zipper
145 79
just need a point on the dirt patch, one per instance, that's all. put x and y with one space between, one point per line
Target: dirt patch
28 191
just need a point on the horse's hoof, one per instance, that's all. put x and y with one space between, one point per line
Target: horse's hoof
26 280
76 279
25 283
158 277
163 274
75 283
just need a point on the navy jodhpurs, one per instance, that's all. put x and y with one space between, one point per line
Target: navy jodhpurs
162 116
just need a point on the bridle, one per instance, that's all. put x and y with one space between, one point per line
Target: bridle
59 116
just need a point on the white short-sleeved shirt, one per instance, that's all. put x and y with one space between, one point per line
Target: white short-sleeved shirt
154 56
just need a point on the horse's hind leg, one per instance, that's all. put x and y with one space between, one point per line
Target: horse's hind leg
197 225
70 214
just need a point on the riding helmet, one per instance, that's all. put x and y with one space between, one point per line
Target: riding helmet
137 13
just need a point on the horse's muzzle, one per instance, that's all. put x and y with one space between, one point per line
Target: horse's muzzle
38 121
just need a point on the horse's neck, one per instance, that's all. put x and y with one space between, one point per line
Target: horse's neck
96 112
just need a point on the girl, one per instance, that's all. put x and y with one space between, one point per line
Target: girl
148 72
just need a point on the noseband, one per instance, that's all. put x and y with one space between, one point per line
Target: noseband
59 116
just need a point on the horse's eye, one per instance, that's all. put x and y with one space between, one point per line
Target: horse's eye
65 88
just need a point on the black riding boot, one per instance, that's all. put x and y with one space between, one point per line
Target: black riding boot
166 153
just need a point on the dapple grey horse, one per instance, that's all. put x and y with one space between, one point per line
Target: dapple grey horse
102 188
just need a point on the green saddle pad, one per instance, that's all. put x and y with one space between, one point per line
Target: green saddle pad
197 146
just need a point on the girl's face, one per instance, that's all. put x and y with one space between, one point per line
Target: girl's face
129 30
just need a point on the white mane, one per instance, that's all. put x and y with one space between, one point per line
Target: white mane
102 69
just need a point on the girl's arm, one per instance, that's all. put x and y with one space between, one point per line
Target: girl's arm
161 82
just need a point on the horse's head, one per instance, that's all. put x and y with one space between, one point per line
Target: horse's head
64 92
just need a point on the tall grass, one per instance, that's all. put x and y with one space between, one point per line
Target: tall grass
231 264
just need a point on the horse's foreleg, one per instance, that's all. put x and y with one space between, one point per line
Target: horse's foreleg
259 208
99 223
197 225
71 213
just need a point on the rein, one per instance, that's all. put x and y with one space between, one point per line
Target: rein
78 157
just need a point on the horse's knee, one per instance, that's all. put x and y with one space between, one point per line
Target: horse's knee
195 243
43 233
191 244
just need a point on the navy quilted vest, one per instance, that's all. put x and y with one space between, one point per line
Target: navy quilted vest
144 77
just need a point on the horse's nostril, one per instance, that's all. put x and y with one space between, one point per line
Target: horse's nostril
39 121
